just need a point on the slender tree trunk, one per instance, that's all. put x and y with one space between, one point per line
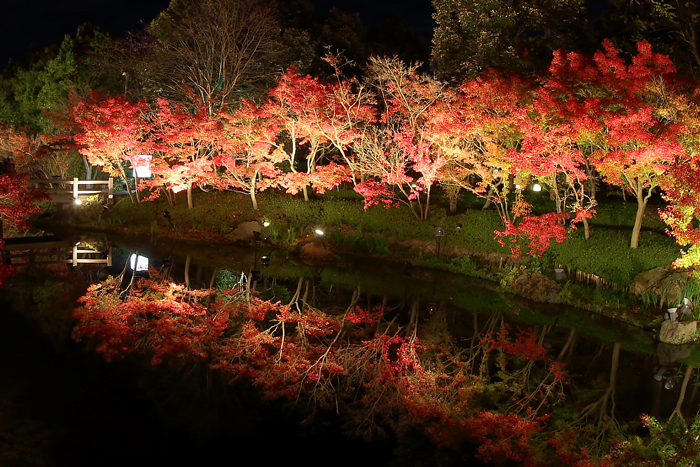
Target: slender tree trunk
136 188
190 204
88 168
126 183
591 180
188 260
641 206
569 343
426 213
586 229
487 204
253 199
684 387
454 198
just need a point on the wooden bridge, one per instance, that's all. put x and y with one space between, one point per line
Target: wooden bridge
71 191
26 251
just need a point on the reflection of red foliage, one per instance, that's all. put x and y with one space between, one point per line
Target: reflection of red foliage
17 203
525 344
6 270
328 359
162 318
540 230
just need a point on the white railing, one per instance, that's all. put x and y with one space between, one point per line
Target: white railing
74 187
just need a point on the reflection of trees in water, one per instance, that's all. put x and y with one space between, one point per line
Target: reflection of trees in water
677 410
380 369
606 420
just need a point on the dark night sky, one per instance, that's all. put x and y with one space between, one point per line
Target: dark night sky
44 22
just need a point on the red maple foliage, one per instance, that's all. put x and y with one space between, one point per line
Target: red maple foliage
185 143
112 130
539 230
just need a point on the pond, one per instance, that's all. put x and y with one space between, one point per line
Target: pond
64 405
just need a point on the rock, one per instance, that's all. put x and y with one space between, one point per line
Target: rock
663 281
677 332
244 232
673 287
668 353
316 251
645 281
538 288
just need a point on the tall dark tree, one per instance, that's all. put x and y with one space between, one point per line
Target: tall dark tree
220 49
512 35
672 27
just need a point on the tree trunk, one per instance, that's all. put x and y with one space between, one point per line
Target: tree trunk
88 168
586 229
190 204
253 184
253 199
681 397
187 271
641 206
426 213
591 180
136 187
488 199
128 190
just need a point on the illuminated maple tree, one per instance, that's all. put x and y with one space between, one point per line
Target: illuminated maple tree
41 155
185 143
474 131
112 130
299 107
395 158
247 162
635 142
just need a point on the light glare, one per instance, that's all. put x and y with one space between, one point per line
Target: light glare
138 263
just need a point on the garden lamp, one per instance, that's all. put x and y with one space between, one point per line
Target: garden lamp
439 233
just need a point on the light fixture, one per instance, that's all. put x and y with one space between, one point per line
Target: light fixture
138 262
517 186
142 165
266 223
78 201
536 187
439 233
559 274
318 232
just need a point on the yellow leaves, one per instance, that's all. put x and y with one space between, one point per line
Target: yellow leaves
521 208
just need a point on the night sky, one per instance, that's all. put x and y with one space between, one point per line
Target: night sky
44 22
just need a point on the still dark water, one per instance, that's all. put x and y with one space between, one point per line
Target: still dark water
64 405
